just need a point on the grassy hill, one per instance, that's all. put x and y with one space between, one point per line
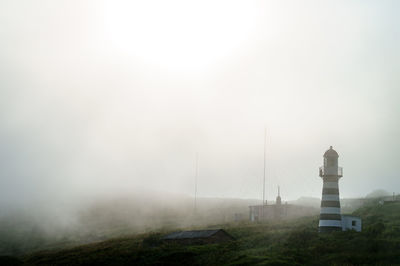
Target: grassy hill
38 228
281 243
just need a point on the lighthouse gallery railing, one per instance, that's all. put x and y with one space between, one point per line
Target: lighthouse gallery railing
323 171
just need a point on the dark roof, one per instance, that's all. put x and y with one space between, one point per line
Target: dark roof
193 234
331 153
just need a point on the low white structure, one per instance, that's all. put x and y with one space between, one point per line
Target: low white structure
351 223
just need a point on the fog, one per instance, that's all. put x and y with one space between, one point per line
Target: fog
113 99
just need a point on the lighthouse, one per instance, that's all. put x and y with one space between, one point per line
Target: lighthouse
330 218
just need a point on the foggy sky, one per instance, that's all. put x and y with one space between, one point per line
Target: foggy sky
114 97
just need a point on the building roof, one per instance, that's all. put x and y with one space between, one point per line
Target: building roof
193 234
331 153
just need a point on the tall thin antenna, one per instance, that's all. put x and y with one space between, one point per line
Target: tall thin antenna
195 181
265 144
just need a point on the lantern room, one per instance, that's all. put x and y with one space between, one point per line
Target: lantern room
331 167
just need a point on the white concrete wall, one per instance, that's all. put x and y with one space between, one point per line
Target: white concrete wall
347 223
334 223
330 197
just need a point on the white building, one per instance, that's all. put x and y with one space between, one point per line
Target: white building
350 222
279 211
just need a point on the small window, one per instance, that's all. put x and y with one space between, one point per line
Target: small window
353 223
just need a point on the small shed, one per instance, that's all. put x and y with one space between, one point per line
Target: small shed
350 222
198 237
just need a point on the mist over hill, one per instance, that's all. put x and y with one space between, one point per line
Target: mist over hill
116 114
289 242
37 228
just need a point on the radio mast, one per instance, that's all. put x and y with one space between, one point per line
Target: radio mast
195 181
265 144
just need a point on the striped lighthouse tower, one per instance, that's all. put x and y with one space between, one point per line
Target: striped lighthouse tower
330 218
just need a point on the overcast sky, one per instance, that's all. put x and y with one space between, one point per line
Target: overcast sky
117 97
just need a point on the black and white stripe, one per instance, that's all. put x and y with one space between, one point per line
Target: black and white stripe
330 218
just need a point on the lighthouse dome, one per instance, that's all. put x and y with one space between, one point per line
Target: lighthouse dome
331 153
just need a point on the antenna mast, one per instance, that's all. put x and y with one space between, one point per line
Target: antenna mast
265 144
195 181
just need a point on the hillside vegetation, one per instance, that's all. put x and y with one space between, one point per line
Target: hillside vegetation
281 243
37 228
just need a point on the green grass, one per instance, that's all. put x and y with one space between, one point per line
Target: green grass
295 242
